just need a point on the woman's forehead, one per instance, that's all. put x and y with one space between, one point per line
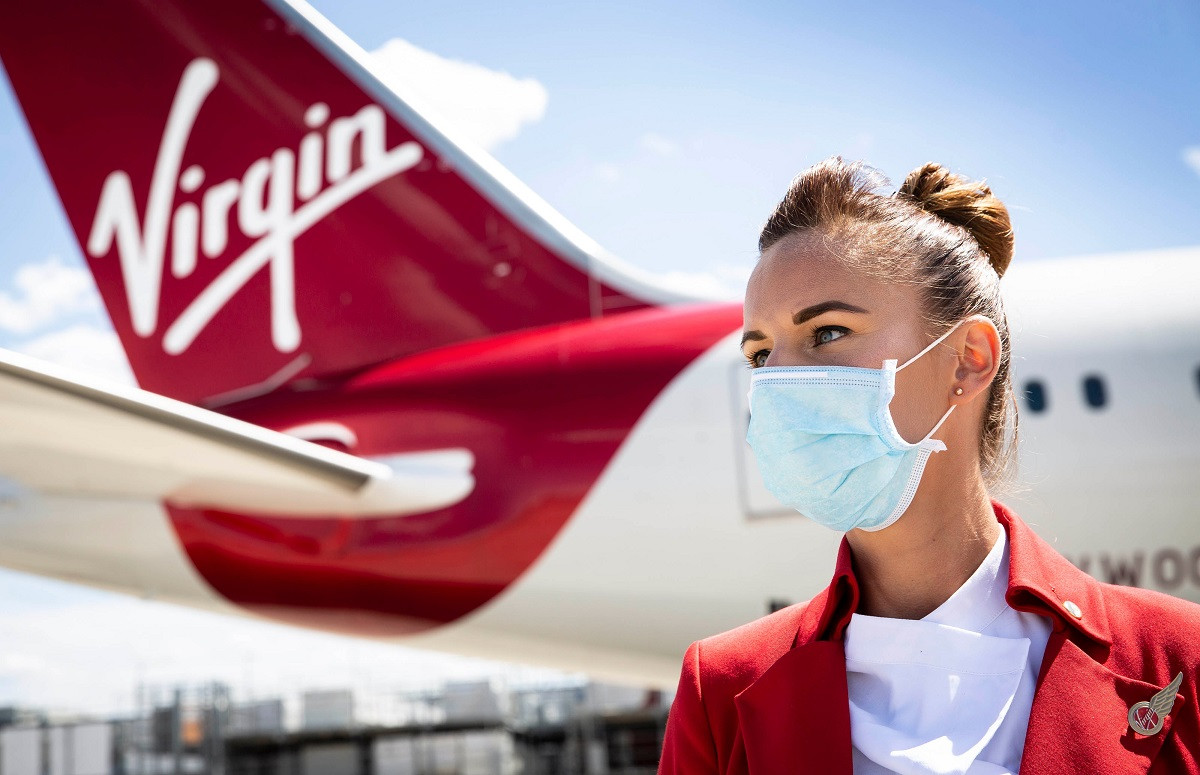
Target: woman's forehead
798 271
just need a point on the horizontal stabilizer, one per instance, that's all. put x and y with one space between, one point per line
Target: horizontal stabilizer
69 434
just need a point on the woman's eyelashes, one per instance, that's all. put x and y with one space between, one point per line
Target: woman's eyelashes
757 358
820 336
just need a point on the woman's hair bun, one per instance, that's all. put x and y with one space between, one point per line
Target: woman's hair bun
965 203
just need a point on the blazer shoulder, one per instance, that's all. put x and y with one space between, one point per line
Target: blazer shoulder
704 718
736 657
1153 620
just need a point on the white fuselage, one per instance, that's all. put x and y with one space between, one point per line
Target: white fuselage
678 539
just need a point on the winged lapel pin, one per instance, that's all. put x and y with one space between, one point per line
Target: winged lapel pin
1146 718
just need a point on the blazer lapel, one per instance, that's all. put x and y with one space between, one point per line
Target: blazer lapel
1079 718
795 718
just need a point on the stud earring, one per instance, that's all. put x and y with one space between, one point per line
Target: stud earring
958 391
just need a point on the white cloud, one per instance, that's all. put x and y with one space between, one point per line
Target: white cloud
484 105
724 281
1191 157
84 347
863 143
609 173
657 144
653 142
45 293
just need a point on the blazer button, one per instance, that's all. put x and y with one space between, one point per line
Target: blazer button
1073 609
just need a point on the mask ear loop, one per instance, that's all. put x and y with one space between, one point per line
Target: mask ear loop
929 435
933 344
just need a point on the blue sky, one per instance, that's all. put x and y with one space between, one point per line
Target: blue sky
667 132
1079 118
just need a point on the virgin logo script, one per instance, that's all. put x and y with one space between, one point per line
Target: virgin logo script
277 199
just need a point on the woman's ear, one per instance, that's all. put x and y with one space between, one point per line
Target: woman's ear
978 359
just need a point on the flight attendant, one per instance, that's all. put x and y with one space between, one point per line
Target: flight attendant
952 639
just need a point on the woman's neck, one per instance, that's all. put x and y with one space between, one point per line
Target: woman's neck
907 570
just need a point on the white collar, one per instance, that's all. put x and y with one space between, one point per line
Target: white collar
932 696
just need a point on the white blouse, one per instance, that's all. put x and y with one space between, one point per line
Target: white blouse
949 693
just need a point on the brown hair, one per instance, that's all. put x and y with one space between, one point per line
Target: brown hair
946 234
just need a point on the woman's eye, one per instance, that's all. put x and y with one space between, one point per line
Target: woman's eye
758 358
821 337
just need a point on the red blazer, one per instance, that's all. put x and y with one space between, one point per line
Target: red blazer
770 696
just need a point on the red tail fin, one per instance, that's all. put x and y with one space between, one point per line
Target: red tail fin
256 207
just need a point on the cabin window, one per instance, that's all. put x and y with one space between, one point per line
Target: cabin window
1035 396
1093 391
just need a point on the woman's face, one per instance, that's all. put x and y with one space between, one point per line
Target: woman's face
804 307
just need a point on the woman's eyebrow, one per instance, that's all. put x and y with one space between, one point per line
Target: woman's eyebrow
755 335
806 314
825 306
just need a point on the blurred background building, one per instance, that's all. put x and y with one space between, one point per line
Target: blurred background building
482 727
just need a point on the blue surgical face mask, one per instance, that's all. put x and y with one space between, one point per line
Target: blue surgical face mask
826 445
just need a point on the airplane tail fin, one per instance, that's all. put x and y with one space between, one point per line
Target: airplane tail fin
257 208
